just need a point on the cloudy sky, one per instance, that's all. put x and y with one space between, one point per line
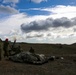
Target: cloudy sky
38 21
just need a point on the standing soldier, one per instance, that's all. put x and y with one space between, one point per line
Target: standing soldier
5 47
0 52
0 49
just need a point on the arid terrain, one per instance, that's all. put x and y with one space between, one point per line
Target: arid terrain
66 66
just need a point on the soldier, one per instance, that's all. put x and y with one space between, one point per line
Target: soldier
31 50
5 47
0 52
15 48
0 49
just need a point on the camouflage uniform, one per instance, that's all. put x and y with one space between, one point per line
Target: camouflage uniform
15 48
31 50
5 47
0 51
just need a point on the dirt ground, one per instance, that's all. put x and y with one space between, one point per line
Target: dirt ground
67 66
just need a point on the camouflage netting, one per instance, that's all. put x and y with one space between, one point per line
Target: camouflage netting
28 57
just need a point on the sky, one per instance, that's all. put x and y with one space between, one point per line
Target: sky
38 21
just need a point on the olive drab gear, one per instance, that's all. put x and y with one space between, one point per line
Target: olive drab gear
15 49
32 50
5 47
0 52
0 49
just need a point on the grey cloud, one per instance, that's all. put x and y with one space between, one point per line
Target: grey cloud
63 22
36 35
37 1
74 29
34 26
74 20
9 1
49 34
44 25
71 35
8 10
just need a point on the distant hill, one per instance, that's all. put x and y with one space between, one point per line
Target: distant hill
73 44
